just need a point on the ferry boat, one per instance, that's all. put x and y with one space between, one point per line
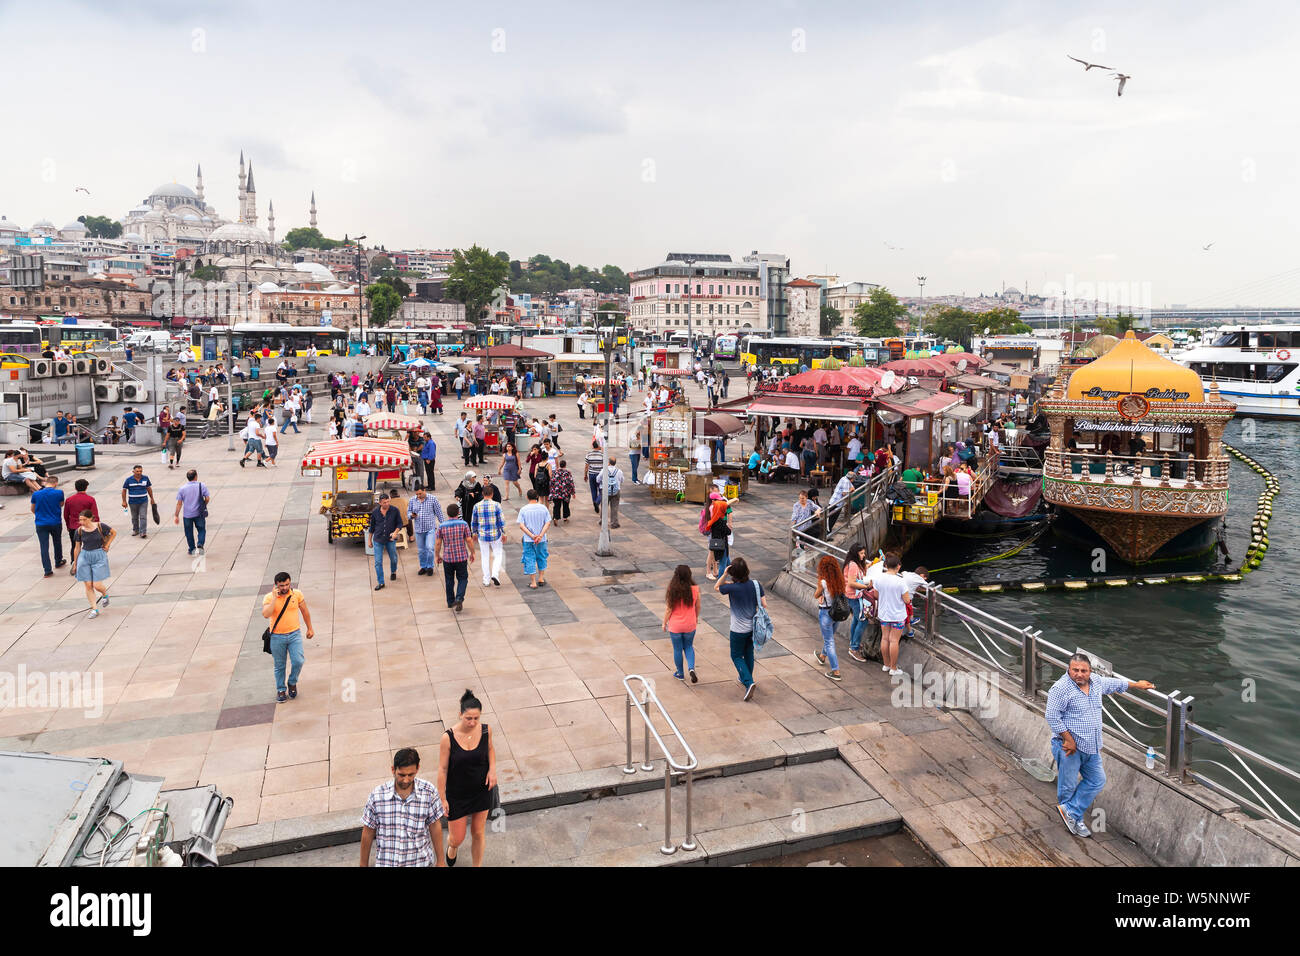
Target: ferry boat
1256 366
1136 452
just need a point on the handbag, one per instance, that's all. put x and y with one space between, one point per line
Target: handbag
266 635
840 608
157 519
762 622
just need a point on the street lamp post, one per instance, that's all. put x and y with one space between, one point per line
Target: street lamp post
920 320
690 321
604 548
361 299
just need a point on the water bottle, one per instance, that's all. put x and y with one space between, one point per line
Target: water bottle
1151 758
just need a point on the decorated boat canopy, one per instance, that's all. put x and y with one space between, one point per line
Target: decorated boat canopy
1131 368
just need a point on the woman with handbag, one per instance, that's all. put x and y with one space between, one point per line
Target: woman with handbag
467 777
719 525
832 607
855 566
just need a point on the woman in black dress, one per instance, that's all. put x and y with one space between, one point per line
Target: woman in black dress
467 773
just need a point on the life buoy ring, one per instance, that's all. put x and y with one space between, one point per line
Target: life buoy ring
1283 354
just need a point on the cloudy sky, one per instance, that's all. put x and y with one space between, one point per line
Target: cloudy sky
957 133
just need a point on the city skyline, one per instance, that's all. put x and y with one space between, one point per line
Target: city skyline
877 144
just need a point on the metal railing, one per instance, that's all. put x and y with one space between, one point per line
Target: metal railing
671 765
1032 664
1110 468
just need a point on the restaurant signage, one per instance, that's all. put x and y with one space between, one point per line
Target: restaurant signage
1161 394
792 388
1086 425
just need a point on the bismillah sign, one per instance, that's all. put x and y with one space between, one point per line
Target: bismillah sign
1085 425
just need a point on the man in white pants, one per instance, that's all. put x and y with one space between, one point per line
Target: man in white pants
488 526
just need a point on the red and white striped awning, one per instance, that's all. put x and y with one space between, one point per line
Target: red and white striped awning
384 452
594 380
500 402
671 371
389 420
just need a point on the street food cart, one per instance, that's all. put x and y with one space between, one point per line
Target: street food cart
390 425
348 512
492 403
670 449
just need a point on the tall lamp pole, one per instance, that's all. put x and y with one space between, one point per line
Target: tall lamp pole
920 280
361 299
604 547
690 322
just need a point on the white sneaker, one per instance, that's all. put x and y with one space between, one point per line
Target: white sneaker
885 668
896 672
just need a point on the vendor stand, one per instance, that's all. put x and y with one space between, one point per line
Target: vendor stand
493 403
348 512
670 449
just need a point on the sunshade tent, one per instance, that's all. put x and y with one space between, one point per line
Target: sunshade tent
418 363
363 453
955 359
499 402
669 372
390 420
719 425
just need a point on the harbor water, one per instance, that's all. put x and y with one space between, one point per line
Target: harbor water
1231 645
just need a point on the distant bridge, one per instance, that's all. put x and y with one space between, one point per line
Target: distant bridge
1165 318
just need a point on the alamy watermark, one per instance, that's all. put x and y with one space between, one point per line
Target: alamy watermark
1061 300
975 691
199 300
70 690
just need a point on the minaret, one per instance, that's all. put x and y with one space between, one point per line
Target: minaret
270 219
312 220
250 194
198 184
241 185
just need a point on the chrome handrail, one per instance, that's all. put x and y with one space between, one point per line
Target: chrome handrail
648 696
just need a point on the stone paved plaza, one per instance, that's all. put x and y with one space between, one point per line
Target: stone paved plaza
189 695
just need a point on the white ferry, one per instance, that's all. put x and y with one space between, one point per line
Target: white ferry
1256 366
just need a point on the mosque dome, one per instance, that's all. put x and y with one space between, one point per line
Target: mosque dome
174 190
1131 368
239 232
7 224
74 226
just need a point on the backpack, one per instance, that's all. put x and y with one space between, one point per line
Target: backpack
762 623
704 520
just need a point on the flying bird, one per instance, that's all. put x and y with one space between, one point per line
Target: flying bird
1206 248
1086 65
895 248
1123 78
82 189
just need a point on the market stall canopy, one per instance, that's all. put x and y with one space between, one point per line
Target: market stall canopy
956 358
669 371
418 363
498 402
358 452
719 425
961 412
807 406
1131 368
508 350
979 382
997 368
390 420
917 401
846 381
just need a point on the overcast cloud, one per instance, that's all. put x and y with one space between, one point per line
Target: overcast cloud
597 133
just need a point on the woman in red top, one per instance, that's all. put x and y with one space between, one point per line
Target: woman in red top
681 616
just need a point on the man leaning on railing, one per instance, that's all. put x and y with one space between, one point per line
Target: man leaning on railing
1074 714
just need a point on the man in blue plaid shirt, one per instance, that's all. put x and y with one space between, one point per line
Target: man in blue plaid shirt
488 524
425 515
455 552
402 815
1074 714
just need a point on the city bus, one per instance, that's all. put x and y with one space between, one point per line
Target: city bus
23 338
406 338
725 345
82 337
210 342
759 351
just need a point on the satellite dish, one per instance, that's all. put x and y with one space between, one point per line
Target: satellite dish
961 365
887 379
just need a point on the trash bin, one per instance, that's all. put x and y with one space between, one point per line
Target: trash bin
85 454
255 373
311 367
538 389
235 400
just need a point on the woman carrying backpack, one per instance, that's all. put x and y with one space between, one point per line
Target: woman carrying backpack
714 523
746 598
830 586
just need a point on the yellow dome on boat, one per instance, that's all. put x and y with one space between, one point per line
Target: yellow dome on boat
1131 368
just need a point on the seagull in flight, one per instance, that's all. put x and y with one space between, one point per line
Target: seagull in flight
1206 248
1086 65
1123 78
895 248
82 189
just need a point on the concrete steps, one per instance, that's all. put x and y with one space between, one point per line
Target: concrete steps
617 819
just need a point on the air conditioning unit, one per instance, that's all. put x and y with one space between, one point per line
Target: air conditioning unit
81 365
62 367
41 368
134 392
107 392
102 366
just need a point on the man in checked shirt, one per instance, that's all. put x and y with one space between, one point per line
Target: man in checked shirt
1074 714
403 816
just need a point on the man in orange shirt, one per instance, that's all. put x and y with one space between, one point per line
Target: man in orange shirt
286 632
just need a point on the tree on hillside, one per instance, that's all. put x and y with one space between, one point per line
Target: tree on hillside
392 278
879 315
384 303
1002 321
309 237
101 227
473 279
380 264
830 320
205 273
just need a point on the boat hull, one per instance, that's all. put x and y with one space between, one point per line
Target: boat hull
1128 538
